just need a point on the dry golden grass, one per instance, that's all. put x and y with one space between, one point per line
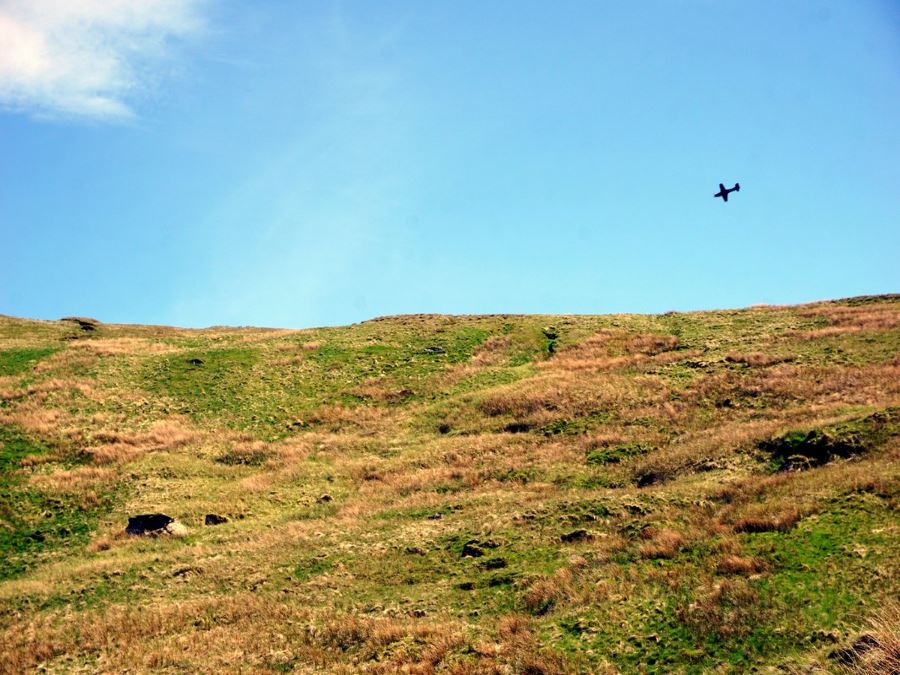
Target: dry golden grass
547 592
880 654
864 317
131 346
662 543
122 447
74 480
725 608
9 388
35 419
245 631
743 565
554 395
67 361
613 349
359 419
492 351
381 389
757 359
40 391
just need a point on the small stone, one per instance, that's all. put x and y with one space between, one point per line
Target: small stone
517 428
214 519
435 516
176 529
493 564
195 362
84 323
325 498
148 523
471 549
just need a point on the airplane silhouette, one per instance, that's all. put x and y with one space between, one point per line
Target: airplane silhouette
723 193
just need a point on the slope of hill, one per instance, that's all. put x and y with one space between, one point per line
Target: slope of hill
535 494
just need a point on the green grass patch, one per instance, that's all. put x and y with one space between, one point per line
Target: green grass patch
33 523
312 567
821 580
16 361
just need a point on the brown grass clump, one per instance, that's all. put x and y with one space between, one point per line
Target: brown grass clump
246 627
380 389
565 395
336 417
121 635
517 650
45 422
491 352
784 385
548 591
120 448
867 317
744 566
878 651
517 402
104 542
611 349
650 344
123 346
781 520
662 544
727 608
9 388
757 359
72 480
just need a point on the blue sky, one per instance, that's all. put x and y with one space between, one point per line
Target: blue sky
297 164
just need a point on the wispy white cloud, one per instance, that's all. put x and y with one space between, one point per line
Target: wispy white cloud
88 58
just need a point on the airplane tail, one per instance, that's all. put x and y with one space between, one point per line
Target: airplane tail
737 187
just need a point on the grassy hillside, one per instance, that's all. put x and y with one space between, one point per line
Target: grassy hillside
510 494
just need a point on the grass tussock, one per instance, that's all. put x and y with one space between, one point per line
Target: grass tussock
769 518
741 565
876 652
124 346
758 359
549 591
726 609
661 543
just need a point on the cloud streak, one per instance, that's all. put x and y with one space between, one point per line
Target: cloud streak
87 58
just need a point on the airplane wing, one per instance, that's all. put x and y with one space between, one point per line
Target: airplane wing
724 195
721 187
